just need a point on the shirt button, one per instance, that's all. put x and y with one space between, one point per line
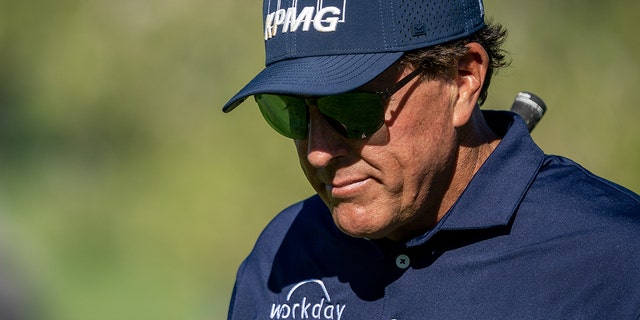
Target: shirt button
402 261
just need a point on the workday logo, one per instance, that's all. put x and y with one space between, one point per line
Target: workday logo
292 16
307 306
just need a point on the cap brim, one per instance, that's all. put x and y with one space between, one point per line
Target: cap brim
316 76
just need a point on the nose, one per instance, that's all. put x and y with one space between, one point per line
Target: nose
323 142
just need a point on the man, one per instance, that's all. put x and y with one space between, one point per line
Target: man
427 207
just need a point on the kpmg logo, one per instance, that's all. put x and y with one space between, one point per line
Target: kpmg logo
305 306
292 16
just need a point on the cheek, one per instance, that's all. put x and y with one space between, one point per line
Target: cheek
425 128
422 137
429 148
422 141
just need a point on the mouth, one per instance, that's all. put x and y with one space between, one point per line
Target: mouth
347 188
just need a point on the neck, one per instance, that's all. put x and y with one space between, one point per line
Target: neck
476 142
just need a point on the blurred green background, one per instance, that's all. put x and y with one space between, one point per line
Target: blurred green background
126 194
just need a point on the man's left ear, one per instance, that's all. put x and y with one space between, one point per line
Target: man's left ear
472 69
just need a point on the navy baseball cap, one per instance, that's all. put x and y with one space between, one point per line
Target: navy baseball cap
327 47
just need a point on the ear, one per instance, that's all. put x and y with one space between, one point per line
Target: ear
472 69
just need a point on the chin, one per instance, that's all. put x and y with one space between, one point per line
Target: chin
361 221
362 234
361 229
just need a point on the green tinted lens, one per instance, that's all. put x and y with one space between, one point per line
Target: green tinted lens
285 114
354 115
358 114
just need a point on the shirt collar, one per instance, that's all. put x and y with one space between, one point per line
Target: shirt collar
496 190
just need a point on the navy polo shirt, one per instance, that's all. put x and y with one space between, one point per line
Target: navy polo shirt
533 236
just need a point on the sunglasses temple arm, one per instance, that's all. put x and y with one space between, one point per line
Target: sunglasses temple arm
389 92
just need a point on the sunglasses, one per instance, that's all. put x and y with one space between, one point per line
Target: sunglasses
355 115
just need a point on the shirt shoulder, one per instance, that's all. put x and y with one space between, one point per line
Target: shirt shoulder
566 183
568 202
